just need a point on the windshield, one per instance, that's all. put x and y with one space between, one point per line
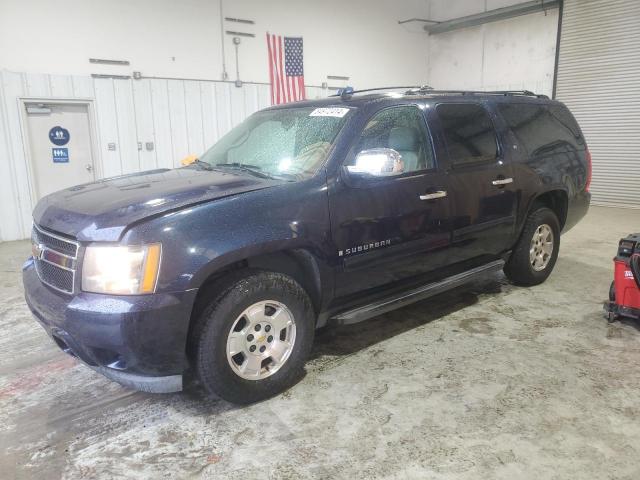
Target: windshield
291 143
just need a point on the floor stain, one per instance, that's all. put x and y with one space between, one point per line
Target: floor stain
476 325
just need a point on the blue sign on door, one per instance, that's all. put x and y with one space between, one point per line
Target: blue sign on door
60 155
59 136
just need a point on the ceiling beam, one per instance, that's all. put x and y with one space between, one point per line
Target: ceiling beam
492 16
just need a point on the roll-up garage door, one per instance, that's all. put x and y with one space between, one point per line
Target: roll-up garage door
598 78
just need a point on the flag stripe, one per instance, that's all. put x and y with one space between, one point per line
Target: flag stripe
275 68
282 72
294 89
272 65
270 68
289 88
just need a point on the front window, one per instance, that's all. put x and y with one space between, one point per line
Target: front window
288 143
403 129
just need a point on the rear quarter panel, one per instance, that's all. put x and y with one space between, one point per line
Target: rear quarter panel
556 165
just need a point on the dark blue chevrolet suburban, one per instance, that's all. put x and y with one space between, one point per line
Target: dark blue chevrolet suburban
332 210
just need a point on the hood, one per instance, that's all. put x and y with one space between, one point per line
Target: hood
101 211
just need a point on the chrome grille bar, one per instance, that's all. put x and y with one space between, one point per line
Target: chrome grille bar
55 259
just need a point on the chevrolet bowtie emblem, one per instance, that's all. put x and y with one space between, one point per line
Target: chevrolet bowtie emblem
36 250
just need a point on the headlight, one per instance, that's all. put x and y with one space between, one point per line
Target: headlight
121 270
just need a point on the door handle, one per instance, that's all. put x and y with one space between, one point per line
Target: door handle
434 195
88 167
502 181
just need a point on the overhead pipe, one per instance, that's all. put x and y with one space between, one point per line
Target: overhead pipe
225 75
495 15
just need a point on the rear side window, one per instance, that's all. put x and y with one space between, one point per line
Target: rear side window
468 132
542 129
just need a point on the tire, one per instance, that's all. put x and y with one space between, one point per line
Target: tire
520 269
249 301
612 292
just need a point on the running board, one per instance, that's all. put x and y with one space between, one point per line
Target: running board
406 298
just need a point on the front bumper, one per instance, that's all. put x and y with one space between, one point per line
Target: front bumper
136 340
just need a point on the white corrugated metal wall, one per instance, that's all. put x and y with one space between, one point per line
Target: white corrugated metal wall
180 117
599 80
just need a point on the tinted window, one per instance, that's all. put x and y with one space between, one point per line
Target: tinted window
468 131
541 128
402 129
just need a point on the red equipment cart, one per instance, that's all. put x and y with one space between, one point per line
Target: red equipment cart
624 295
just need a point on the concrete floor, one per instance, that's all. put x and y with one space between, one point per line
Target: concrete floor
490 381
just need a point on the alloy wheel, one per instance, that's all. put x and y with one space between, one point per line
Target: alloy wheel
541 248
261 340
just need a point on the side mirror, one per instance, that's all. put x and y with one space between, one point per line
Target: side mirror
377 162
188 160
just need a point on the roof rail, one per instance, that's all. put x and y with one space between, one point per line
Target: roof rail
524 93
348 91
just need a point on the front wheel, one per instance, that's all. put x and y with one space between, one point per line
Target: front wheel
536 252
252 341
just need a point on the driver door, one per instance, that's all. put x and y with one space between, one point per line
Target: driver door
394 226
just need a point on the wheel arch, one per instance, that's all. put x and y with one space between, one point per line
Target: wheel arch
298 263
557 200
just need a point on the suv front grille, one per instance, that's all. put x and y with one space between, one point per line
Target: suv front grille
55 259
54 242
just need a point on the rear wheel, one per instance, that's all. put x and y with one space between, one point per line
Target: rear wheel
536 252
252 341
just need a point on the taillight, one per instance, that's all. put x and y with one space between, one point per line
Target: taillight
589 170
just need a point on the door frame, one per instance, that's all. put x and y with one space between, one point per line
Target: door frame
26 144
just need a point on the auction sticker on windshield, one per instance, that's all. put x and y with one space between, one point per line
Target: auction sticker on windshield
329 112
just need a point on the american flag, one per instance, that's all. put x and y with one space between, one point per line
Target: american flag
287 80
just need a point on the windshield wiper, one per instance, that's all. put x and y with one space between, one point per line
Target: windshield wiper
200 163
239 165
253 169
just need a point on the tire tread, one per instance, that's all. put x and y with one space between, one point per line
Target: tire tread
212 323
518 269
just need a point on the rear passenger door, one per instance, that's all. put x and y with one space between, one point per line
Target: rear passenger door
481 183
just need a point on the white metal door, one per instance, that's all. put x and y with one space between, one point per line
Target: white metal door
60 146
599 80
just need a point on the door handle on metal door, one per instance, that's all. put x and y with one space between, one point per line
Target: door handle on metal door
502 181
434 195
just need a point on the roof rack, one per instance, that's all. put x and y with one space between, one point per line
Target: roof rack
347 92
524 93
